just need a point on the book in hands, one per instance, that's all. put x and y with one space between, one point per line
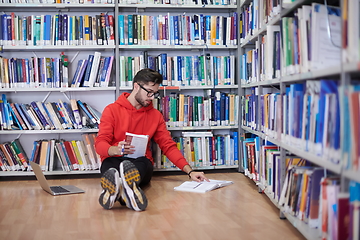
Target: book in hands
202 187
139 142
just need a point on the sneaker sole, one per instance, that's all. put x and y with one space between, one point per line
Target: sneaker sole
110 182
133 195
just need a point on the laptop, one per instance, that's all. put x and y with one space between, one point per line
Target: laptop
53 190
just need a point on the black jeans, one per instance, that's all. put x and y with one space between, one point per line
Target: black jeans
143 164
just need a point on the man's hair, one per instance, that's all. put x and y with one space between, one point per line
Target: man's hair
148 75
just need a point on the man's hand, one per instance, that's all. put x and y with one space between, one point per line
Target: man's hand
198 176
121 149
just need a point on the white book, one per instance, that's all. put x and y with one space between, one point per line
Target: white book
202 187
352 51
304 18
325 36
269 48
140 143
94 70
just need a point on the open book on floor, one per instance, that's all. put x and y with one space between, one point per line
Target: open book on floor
202 187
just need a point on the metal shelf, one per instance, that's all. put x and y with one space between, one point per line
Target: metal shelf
68 89
168 6
57 5
66 131
58 47
175 47
202 128
351 174
302 227
48 173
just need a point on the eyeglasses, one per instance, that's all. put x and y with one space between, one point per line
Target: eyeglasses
150 94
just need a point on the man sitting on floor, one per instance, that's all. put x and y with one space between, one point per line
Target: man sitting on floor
134 113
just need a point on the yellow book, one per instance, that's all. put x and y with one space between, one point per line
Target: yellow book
87 29
43 154
145 27
77 154
266 111
232 109
304 189
181 110
213 30
6 74
84 156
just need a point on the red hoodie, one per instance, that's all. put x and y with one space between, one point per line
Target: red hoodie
121 117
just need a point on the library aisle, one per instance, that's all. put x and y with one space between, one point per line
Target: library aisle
237 211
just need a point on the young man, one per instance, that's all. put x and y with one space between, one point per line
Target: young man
134 113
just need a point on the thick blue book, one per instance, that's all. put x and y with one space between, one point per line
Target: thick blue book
27 116
86 111
56 30
2 29
47 29
176 30
121 29
60 30
81 31
77 72
40 115
104 70
65 29
87 71
235 136
130 30
163 68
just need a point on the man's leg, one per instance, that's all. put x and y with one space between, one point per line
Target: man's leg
145 168
132 194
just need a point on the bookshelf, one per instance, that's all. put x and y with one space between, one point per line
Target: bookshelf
277 109
98 97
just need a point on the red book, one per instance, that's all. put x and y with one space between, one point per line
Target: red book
71 153
343 216
112 34
214 151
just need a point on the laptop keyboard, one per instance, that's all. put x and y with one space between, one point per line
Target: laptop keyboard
58 189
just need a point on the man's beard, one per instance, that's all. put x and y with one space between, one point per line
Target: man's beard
140 101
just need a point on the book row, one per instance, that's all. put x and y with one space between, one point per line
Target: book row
309 193
255 15
265 56
47 72
290 48
306 116
51 155
203 149
181 29
47 115
172 2
314 197
64 29
214 109
58 29
308 51
197 70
